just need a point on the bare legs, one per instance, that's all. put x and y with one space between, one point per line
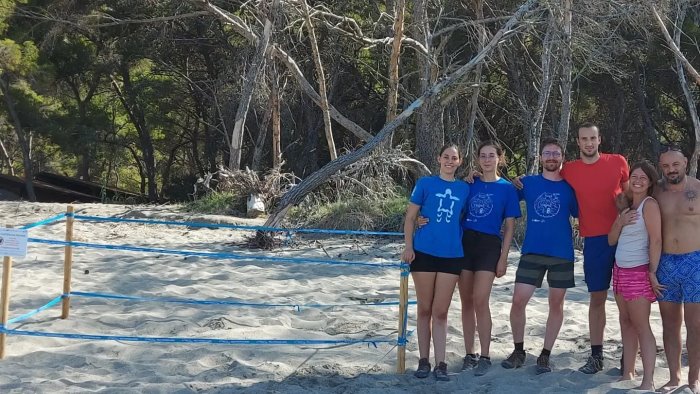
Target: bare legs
434 293
474 293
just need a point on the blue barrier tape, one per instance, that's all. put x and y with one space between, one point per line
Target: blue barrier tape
44 222
220 302
35 311
211 255
236 226
193 340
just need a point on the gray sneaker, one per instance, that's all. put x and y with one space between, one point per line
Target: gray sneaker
515 360
470 361
441 372
423 369
543 365
593 365
482 366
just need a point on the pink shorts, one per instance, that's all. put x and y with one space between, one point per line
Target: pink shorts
633 283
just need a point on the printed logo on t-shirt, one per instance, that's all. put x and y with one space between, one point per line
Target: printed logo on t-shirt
446 198
547 205
481 205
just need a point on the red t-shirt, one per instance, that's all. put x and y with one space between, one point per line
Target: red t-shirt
596 186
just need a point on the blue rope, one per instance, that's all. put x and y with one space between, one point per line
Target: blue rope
44 222
194 340
211 255
35 311
236 226
219 302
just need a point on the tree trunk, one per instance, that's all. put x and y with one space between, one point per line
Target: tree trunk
310 183
647 121
258 62
321 77
259 148
129 101
474 100
675 49
621 113
535 133
276 125
24 141
393 82
689 98
429 133
566 68
7 158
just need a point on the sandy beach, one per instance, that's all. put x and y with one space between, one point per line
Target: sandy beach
51 365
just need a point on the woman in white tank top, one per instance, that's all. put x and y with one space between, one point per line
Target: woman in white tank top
637 233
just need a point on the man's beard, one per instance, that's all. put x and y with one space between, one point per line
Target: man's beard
678 179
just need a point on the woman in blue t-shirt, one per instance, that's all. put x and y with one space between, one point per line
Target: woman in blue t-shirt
435 254
492 200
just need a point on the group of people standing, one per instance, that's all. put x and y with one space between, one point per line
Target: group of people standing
640 233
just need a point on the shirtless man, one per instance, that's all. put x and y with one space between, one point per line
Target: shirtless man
679 268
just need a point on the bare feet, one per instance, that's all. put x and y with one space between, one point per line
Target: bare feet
668 387
647 386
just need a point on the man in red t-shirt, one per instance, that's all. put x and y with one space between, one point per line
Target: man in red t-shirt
597 178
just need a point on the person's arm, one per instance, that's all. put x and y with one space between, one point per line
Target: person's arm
652 220
518 182
628 216
408 228
508 231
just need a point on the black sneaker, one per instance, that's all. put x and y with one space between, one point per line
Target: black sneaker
441 372
470 361
593 365
515 360
543 365
423 369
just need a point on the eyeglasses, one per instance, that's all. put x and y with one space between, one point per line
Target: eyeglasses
670 147
552 154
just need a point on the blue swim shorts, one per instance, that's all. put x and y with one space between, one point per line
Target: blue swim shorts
598 261
680 273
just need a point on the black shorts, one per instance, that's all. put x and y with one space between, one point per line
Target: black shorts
429 263
481 251
532 267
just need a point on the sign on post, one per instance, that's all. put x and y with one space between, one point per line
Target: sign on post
13 242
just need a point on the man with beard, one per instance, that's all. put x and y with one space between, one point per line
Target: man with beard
597 178
548 248
679 267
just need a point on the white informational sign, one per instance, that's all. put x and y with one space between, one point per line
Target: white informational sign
13 242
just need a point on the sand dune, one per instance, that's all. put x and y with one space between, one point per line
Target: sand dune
50 365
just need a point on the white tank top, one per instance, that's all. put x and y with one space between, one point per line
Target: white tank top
633 244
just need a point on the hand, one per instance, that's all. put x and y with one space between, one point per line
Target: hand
622 202
628 216
518 182
408 255
421 221
473 174
502 266
657 287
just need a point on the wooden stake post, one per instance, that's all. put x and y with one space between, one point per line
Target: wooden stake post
67 264
6 275
403 306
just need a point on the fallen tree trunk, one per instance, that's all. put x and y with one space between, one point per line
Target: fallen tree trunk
310 183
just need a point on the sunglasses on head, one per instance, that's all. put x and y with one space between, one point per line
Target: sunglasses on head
670 147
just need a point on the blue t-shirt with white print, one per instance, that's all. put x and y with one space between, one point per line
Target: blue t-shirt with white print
490 203
550 204
442 202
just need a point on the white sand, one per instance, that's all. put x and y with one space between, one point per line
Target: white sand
53 365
